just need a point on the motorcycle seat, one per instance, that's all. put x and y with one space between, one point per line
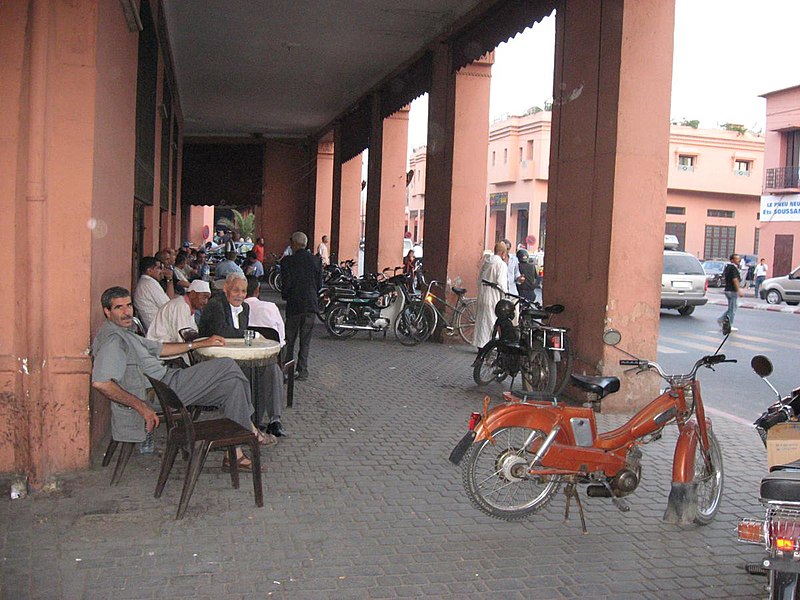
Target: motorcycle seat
792 466
459 290
602 386
369 295
781 486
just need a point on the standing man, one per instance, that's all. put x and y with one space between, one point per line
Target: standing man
760 274
302 279
513 268
259 249
733 290
149 296
323 252
495 270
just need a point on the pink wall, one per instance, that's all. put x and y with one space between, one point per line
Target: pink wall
200 217
324 192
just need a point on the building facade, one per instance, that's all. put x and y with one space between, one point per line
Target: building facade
713 193
780 203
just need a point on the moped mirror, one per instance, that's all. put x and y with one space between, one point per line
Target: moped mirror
611 337
555 309
761 365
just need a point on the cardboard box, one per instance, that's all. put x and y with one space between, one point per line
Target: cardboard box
783 444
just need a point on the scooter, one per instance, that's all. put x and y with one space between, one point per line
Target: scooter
779 531
520 452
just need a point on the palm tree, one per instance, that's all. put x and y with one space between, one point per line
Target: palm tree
243 226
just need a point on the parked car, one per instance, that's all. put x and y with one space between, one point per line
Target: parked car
683 282
782 289
714 269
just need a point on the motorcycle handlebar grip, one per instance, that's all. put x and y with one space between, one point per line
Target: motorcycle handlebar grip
716 358
625 362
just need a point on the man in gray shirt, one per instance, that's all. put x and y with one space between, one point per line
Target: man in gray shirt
122 359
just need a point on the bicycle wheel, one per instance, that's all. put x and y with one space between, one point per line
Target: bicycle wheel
538 372
496 475
465 320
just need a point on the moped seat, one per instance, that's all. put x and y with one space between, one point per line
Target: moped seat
781 486
369 295
792 466
602 386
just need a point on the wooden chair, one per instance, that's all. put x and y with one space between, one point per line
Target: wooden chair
199 438
287 367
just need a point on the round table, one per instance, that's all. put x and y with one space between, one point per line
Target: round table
259 363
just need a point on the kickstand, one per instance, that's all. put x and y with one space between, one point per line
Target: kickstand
571 491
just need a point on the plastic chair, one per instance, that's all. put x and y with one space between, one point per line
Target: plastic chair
199 438
286 367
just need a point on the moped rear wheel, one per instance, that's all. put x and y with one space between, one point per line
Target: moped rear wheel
708 481
496 475
538 371
341 315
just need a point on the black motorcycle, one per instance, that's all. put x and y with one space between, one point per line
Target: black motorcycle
779 531
530 350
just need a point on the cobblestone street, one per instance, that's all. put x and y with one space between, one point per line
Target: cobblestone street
361 502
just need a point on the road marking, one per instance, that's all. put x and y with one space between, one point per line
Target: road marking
760 349
692 345
721 413
667 350
769 342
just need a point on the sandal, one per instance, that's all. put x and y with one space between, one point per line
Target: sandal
266 439
244 464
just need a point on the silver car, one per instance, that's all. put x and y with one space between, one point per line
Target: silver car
779 289
683 282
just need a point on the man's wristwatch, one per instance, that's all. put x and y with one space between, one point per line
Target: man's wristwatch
190 345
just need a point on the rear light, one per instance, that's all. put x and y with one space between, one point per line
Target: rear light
474 419
751 531
784 529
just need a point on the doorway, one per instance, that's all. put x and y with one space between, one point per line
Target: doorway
782 261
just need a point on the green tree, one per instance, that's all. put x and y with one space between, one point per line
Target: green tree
243 226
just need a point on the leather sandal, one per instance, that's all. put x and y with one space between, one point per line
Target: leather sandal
244 464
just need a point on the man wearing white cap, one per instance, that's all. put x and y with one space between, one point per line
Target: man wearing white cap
178 314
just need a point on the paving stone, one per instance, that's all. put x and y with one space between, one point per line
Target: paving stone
362 490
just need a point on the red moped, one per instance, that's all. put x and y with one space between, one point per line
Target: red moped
517 455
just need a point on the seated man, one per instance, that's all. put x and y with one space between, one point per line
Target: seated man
227 267
262 313
178 314
253 266
122 359
229 316
149 296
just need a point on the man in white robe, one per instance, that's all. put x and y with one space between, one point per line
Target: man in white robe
493 269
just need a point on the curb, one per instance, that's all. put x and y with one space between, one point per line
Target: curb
767 307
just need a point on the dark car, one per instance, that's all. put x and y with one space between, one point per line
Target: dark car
714 269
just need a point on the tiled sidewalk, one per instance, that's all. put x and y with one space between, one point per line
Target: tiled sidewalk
361 502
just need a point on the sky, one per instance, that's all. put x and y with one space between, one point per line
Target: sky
726 53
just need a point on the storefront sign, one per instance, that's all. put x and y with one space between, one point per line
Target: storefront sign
780 208
498 199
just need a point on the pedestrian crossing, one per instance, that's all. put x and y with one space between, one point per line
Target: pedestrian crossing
708 342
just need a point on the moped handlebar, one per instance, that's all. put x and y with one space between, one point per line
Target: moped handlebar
673 379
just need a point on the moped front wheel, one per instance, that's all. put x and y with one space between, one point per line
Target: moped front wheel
496 475
708 481
489 369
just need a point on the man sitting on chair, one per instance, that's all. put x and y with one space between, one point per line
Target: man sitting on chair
229 316
122 359
263 313
178 314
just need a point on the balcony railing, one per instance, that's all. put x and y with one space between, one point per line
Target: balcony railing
782 177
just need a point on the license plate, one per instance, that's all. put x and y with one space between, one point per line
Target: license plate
682 285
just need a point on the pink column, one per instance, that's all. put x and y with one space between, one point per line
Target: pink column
458 124
608 179
324 191
393 189
350 212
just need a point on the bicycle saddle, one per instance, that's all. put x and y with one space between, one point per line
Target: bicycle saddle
602 386
459 291
781 486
